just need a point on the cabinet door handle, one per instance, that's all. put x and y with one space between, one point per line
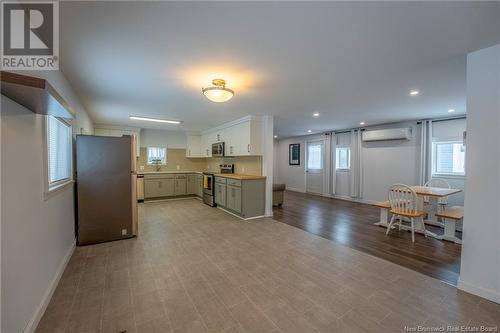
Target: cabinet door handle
248 147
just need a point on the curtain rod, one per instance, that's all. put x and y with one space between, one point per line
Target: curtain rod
397 122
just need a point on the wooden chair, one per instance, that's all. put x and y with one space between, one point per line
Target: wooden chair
403 201
441 183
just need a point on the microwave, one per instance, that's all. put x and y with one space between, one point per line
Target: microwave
218 149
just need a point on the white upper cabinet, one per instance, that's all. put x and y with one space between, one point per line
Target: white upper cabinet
206 144
194 146
243 139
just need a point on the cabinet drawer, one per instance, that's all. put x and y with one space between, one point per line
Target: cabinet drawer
159 176
180 177
234 182
220 180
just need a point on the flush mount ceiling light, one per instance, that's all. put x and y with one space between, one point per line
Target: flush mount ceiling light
414 93
156 120
362 123
451 110
309 131
218 93
275 136
316 114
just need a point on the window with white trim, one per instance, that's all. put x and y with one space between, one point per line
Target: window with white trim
157 155
448 158
315 156
59 152
343 158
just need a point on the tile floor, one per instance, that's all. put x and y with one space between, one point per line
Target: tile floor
198 269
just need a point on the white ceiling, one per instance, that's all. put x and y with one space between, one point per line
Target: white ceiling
351 62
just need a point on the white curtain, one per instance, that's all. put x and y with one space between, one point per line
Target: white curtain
425 150
356 179
333 175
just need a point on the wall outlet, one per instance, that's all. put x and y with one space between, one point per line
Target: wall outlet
124 232
242 170
178 167
141 168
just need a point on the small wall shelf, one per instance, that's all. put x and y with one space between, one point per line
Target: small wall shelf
35 94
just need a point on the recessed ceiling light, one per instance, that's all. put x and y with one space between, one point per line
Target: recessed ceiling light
316 114
156 120
362 123
414 93
451 110
275 136
309 131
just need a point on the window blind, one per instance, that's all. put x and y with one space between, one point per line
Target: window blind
59 150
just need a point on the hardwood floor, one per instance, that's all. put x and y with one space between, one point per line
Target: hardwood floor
351 224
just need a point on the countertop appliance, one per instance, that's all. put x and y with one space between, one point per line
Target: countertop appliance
209 189
226 168
218 149
106 188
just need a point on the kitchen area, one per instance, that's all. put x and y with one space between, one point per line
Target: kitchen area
221 167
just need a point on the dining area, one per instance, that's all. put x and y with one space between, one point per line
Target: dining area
419 208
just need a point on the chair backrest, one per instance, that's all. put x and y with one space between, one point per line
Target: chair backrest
437 182
402 198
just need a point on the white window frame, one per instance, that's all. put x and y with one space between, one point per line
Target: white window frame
159 147
434 173
349 158
52 188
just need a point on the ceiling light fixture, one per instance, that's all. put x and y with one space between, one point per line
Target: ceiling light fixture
309 131
362 123
451 110
414 93
316 114
275 136
218 92
156 120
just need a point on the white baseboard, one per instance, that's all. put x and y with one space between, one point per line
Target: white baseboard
489 294
35 319
294 189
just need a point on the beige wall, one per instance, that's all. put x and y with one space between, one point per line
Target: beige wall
251 165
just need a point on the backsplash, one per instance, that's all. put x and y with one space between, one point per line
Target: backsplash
177 161
249 165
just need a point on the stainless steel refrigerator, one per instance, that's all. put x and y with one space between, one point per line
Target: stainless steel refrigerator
106 188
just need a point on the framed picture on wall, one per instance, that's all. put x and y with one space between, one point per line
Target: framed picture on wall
294 154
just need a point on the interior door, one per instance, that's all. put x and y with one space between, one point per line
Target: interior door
315 166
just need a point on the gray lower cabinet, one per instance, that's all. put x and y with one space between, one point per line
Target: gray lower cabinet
245 198
180 185
220 194
154 188
199 185
170 185
191 184
233 198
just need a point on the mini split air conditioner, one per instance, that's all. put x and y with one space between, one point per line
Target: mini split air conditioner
388 134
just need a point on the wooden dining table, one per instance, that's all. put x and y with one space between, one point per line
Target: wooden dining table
434 194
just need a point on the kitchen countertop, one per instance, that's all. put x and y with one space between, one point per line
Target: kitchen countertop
239 176
160 172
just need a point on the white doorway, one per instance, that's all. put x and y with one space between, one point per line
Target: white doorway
315 166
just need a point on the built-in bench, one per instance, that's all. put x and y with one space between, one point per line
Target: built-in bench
385 207
450 216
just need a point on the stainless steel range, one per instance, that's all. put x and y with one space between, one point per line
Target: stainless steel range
208 189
